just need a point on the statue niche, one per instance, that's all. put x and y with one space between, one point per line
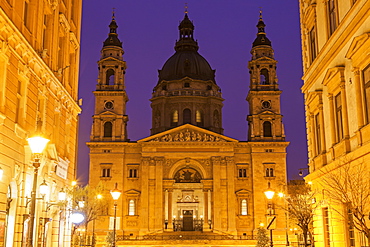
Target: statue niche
187 175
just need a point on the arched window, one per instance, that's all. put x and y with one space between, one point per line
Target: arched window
131 207
199 118
243 207
110 77
264 77
186 116
108 129
267 132
174 118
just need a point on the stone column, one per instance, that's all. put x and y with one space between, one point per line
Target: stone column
217 199
358 92
206 216
332 123
144 204
345 110
314 138
231 200
322 130
169 216
158 196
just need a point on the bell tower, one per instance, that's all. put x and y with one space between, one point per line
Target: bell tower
264 119
110 119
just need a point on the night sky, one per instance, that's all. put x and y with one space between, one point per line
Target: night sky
225 30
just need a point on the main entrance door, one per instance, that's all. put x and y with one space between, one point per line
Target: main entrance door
187 220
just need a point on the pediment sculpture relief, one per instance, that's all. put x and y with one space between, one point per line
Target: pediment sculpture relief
188 136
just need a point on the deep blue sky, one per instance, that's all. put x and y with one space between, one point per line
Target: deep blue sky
225 31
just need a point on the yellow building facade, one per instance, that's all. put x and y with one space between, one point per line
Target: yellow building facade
187 183
39 58
335 48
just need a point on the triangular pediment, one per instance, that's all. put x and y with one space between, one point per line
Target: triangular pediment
187 133
108 113
265 58
335 74
110 59
358 44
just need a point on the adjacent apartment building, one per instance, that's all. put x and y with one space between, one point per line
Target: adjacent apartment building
39 57
336 66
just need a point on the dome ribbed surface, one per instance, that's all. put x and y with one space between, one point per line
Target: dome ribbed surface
186 64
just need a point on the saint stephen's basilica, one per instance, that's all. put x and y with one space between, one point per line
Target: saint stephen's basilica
187 181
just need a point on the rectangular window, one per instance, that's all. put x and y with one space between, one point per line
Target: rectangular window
26 15
61 54
19 106
269 172
350 228
313 43
105 173
131 207
366 79
317 134
44 33
325 214
338 117
242 172
332 16
133 173
244 207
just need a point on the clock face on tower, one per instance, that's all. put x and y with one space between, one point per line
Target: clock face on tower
266 104
108 105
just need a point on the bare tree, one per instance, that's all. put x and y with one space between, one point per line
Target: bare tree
348 189
300 204
88 201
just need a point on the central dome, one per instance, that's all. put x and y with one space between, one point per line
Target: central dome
186 62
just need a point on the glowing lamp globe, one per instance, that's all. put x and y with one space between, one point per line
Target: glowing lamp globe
269 193
77 218
116 193
37 144
44 188
62 195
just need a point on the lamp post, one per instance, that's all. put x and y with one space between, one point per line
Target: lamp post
37 145
269 193
116 193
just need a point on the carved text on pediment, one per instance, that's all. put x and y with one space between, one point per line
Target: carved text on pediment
188 136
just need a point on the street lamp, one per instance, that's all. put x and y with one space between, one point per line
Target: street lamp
116 193
37 145
269 193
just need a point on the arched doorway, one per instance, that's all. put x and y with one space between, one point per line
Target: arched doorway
188 204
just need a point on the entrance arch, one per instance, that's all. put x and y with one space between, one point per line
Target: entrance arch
188 204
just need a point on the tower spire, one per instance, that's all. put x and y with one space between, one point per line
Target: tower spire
112 39
261 34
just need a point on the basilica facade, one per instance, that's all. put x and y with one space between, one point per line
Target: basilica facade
187 181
